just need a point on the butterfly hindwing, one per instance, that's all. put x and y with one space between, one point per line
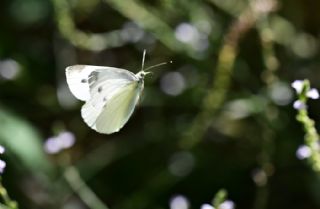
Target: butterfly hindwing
118 109
101 93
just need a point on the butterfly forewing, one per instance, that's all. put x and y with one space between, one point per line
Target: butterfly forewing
81 77
77 79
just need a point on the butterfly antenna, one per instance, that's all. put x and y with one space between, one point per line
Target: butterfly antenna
143 58
157 65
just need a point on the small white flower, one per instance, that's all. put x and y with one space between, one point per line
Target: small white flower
179 202
298 105
313 93
297 85
228 204
207 206
2 149
2 166
303 152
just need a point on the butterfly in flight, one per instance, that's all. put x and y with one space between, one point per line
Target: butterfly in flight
110 94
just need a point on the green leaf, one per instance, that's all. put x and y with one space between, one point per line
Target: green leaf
219 198
22 142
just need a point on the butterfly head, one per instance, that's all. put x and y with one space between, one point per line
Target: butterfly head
140 75
143 71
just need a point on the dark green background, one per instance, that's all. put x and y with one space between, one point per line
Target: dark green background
130 169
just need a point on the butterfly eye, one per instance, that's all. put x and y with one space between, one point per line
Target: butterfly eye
100 89
84 81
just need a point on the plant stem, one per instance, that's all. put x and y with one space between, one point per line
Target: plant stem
10 204
75 181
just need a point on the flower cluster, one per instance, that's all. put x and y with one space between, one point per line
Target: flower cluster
304 92
55 144
2 163
311 147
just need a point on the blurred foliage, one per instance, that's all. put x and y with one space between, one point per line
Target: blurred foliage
220 116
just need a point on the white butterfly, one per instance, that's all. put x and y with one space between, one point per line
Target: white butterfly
111 94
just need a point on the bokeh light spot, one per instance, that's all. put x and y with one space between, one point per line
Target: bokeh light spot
173 83
179 202
9 69
181 163
281 93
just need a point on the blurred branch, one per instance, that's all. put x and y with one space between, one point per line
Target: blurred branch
197 11
89 41
269 77
144 197
266 168
267 42
79 187
217 93
284 32
141 15
233 7
106 154
111 151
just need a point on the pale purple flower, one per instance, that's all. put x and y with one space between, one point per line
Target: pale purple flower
179 202
303 152
66 139
228 204
2 149
207 206
313 93
63 141
297 85
298 105
51 146
2 166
